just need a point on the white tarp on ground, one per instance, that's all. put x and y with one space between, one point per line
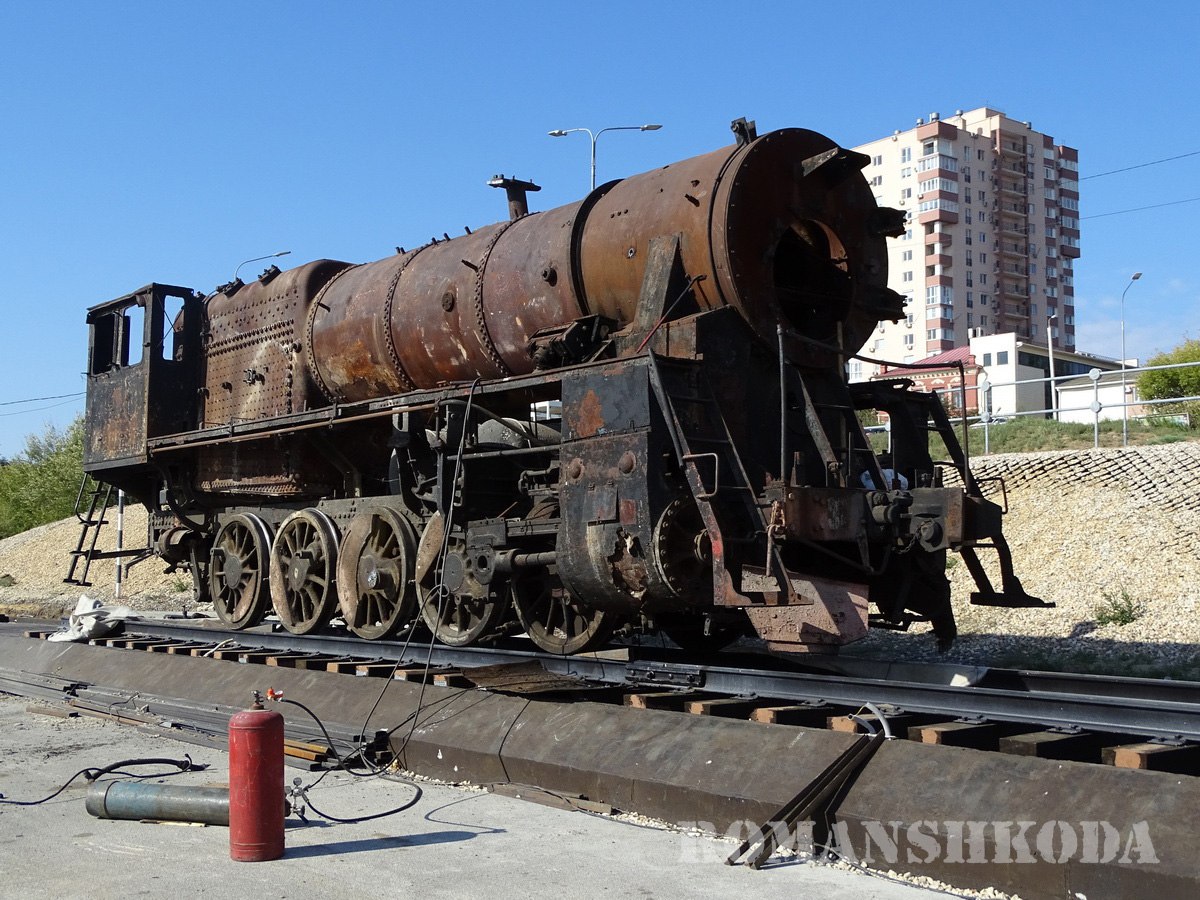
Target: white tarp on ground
91 619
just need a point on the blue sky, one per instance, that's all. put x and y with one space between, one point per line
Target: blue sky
169 142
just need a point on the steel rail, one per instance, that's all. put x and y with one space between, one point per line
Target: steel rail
1108 704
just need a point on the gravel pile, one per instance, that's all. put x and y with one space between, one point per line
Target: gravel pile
36 562
1091 531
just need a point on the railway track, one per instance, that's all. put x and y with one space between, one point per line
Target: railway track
1131 723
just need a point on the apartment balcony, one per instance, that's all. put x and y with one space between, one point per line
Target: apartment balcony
945 238
938 215
1014 292
1010 189
938 259
1068 251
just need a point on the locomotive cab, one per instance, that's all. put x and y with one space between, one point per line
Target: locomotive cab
144 370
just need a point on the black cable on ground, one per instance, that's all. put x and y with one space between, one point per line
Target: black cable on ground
303 791
92 773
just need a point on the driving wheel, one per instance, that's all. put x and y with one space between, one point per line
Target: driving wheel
237 571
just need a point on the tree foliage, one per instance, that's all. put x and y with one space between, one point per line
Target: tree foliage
1167 384
41 483
1170 383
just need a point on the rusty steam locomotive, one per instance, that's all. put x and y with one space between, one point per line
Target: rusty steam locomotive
628 413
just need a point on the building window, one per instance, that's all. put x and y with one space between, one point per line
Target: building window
907 276
979 155
906 194
905 154
983 277
906 255
876 181
908 341
970 299
981 196
928 147
938 184
877 160
929 205
983 321
983 299
987 359
1002 358
982 258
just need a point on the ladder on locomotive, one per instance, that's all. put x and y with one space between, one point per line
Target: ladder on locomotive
99 497
699 432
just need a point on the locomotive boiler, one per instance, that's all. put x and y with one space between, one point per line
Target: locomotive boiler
627 414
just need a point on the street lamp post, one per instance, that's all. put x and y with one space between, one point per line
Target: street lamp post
563 132
256 259
1124 400
1050 350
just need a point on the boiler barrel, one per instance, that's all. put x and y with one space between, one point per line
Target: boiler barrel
783 228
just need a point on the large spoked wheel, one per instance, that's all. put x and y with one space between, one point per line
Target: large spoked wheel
456 606
237 571
555 620
375 571
303 566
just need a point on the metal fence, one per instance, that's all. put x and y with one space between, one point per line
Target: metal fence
1093 409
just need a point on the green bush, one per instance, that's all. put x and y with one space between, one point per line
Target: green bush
41 484
1167 384
1119 609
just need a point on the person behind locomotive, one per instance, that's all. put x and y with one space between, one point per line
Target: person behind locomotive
893 480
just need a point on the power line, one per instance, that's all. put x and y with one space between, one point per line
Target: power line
40 399
22 412
1121 212
1141 165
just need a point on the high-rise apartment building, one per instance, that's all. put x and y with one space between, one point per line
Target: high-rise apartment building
993 232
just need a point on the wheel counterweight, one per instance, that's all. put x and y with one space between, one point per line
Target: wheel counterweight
375 573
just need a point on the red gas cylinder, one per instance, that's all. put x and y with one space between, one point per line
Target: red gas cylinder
256 785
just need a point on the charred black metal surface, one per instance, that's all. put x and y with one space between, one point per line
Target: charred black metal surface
627 413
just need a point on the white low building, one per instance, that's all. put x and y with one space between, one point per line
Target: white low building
1076 397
